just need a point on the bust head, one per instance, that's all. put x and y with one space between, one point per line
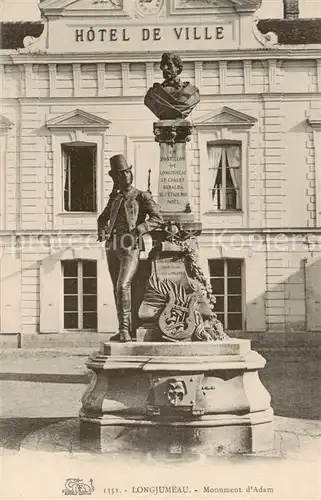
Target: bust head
171 66
172 99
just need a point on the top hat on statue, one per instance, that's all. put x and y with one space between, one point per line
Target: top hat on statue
118 163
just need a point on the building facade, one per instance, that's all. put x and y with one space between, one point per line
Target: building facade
73 97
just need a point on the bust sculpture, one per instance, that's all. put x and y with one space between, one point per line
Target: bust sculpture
172 99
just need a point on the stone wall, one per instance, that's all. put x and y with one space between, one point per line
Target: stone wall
281 173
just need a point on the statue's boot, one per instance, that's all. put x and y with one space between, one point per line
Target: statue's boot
121 337
115 338
124 318
124 337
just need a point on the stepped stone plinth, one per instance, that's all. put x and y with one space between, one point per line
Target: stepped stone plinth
186 397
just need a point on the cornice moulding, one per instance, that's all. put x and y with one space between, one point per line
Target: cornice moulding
315 120
215 98
300 231
313 52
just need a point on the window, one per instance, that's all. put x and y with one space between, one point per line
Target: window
80 294
225 183
226 281
79 177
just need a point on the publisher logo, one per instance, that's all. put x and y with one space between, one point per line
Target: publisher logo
76 486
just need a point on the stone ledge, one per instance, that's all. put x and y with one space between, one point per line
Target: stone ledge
251 361
212 420
185 349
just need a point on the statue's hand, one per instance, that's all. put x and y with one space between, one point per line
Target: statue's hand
134 233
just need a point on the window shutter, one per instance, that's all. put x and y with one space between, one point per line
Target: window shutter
66 181
10 294
233 154
313 290
107 316
214 184
50 296
255 292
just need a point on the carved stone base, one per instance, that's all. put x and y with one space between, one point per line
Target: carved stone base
187 396
223 434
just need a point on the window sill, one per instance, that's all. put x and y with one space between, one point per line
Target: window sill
223 212
76 330
77 214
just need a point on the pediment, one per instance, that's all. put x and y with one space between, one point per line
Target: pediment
133 8
124 9
75 4
112 5
179 6
226 117
78 119
5 123
90 7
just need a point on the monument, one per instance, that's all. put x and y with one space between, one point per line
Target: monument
184 385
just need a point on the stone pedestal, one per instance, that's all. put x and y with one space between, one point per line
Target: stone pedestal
173 195
171 306
172 136
179 397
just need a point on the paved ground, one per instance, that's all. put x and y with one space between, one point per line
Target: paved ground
292 376
43 388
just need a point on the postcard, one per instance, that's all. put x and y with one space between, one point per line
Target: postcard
160 249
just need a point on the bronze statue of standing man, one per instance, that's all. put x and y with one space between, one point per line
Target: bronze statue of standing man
129 214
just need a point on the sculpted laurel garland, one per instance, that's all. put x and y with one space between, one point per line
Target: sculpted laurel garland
208 327
214 326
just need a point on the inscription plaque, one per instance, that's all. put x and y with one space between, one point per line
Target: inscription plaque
173 182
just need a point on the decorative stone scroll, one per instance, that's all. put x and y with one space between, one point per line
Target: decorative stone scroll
172 132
